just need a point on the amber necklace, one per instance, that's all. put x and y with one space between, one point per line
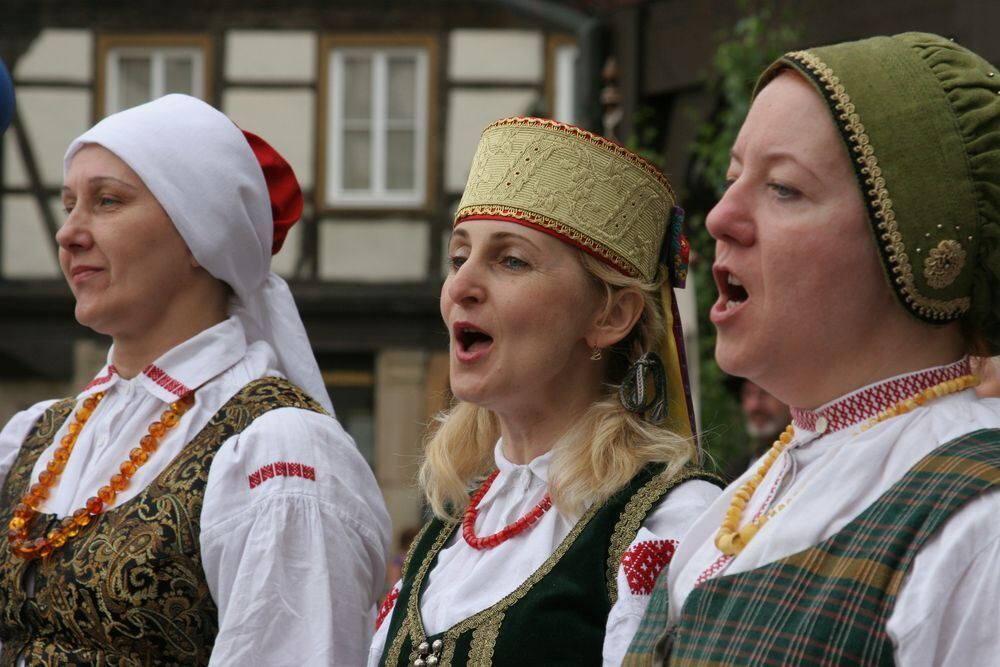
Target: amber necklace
25 512
731 538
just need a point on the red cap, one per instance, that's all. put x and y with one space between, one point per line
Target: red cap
282 188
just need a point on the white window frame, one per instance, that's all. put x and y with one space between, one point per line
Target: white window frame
158 56
378 195
565 63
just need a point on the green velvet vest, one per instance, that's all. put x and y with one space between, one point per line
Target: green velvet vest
129 590
829 605
558 615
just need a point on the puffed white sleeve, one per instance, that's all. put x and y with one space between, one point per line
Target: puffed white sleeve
646 557
294 540
947 609
15 432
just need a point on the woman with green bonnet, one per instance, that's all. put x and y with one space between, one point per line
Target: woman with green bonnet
858 265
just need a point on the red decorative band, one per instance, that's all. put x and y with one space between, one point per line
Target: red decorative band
867 403
644 561
160 377
103 379
281 469
387 604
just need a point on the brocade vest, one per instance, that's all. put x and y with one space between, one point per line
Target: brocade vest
558 616
130 589
829 604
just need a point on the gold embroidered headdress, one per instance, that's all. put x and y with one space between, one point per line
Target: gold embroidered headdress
594 194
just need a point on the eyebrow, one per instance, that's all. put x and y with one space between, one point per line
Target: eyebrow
779 155
495 236
101 180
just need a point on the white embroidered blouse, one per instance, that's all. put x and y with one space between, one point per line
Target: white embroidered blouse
946 612
294 561
465 580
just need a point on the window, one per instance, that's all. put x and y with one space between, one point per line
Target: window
563 58
376 146
135 70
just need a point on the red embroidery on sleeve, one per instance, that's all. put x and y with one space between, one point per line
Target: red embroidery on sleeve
387 604
281 469
644 561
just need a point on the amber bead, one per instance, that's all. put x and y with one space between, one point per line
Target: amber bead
67 441
83 414
128 468
39 491
187 399
170 419
55 467
106 494
27 549
95 506
119 482
90 402
157 429
138 456
43 547
17 523
47 478
31 501
69 527
56 538
61 455
24 511
74 428
149 443
82 516
13 536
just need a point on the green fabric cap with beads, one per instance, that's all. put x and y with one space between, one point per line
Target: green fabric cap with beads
920 117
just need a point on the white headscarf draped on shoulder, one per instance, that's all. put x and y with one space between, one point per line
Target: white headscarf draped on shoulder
209 176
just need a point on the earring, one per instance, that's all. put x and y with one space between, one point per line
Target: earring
596 355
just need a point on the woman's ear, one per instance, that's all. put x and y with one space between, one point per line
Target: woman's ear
622 311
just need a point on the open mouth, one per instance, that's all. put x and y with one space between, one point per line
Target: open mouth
733 292
471 339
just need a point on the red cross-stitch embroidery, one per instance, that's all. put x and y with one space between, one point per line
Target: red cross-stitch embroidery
387 604
103 379
281 469
644 561
866 403
160 377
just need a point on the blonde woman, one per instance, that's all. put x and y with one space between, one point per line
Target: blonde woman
573 439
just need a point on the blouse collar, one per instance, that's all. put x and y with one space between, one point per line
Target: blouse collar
183 368
865 403
538 466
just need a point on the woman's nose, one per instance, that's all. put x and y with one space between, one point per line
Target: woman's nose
465 285
731 218
74 233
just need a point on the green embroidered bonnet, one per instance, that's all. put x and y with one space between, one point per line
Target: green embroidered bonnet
920 117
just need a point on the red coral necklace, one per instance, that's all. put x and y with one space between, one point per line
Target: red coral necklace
505 533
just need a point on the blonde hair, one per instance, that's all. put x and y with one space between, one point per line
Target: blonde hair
591 461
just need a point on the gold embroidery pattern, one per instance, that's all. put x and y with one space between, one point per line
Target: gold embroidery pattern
484 640
878 196
131 588
594 193
633 515
944 263
491 616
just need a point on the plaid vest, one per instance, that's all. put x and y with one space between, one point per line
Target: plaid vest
828 605
129 590
558 615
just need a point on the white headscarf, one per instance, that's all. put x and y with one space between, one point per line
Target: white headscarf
199 166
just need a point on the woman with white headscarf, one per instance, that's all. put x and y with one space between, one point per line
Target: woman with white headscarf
196 502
